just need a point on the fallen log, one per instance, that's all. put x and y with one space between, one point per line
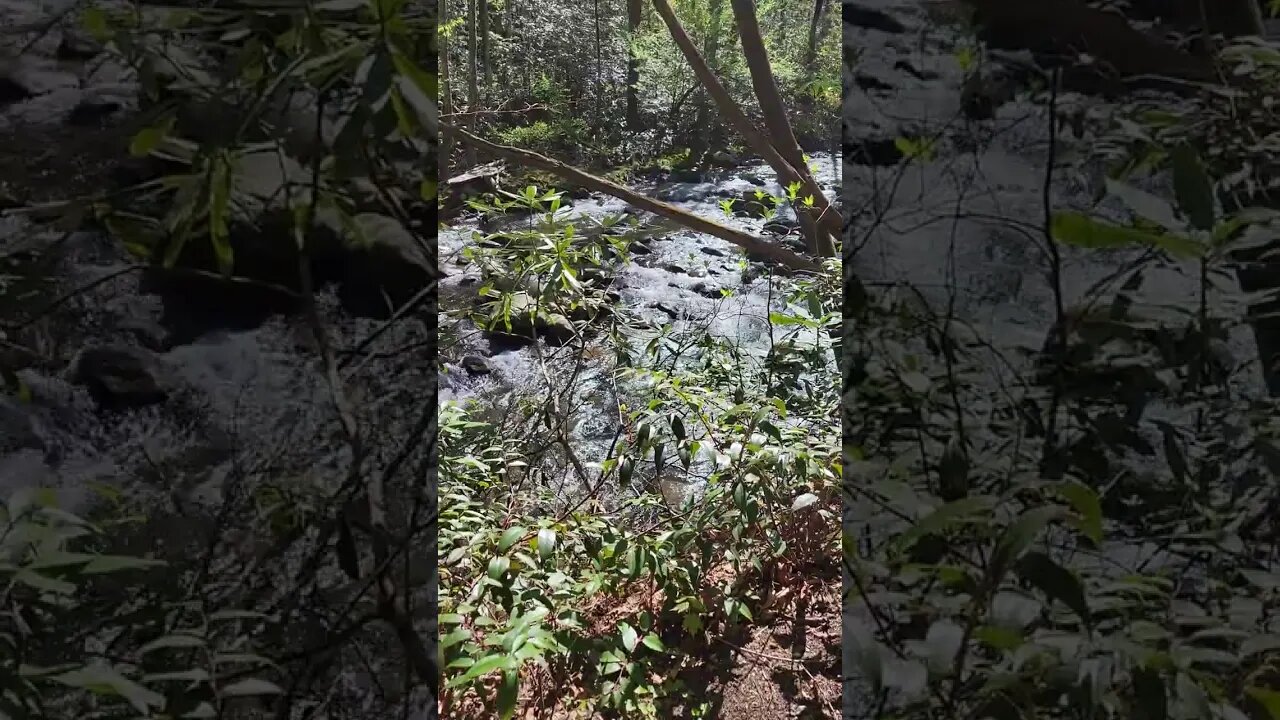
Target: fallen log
747 242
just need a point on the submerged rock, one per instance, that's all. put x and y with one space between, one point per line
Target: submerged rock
476 365
121 376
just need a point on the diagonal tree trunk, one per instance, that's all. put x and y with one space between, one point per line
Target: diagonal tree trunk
828 219
747 242
821 242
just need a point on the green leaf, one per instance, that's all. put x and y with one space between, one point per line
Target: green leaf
677 427
1193 188
448 640
1268 699
1152 698
172 641
943 518
1056 582
629 636
42 582
653 642
546 543
509 537
1000 638
194 675
484 666
94 21
103 564
219 200
103 679
1084 500
508 694
149 138
1019 536
1079 230
251 687
498 567
1147 206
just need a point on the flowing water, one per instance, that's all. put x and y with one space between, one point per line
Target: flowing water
962 223
684 278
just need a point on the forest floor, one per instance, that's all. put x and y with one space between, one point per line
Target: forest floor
788 668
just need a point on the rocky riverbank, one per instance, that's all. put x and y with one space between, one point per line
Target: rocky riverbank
201 404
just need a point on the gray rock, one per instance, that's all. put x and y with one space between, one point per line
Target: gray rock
687 176
876 152
92 111
76 45
12 91
476 365
528 323
121 376
863 17
707 290
871 83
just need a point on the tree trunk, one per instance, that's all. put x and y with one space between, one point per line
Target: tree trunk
446 97
473 80
711 53
747 242
599 89
635 13
775 114
811 53
1232 18
485 67
828 218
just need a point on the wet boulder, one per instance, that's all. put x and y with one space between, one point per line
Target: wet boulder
377 263
529 322
384 263
121 376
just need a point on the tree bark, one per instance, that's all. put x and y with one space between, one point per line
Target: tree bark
485 67
828 218
747 242
446 98
821 243
473 81
1232 18
635 14
811 53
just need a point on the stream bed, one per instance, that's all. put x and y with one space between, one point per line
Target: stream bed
675 276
